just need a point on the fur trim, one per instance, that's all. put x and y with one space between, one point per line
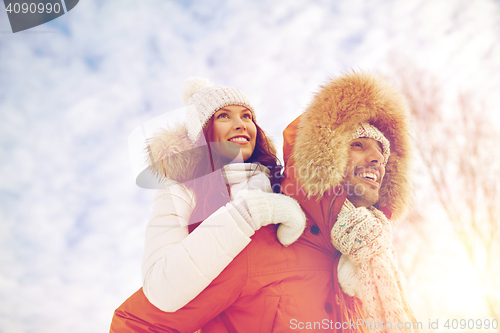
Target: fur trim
321 148
172 155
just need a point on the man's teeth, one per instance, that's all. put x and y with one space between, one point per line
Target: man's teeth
239 139
368 175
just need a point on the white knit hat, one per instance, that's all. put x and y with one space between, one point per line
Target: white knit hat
203 99
366 130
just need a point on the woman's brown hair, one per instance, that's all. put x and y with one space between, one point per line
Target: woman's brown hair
211 192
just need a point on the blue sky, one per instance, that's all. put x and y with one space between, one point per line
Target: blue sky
71 91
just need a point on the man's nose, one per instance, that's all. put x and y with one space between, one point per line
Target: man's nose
375 155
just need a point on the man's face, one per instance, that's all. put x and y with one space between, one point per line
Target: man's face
365 171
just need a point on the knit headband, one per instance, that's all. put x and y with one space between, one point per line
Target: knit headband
366 130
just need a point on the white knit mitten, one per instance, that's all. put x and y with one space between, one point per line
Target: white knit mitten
272 208
347 270
348 274
241 206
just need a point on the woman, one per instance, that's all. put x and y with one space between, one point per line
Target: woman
211 205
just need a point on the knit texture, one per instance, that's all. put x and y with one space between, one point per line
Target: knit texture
242 208
363 236
246 176
203 99
272 208
366 130
348 273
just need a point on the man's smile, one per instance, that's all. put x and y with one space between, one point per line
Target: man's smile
369 176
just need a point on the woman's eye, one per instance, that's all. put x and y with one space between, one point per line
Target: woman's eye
222 115
247 116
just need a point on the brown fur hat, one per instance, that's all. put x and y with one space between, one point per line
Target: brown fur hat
321 148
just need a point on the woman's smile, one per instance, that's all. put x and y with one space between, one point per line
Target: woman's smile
234 123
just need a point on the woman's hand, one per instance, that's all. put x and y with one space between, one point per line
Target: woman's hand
271 208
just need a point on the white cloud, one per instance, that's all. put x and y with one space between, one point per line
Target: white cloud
72 219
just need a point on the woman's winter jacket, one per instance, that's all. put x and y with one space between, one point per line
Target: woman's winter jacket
177 265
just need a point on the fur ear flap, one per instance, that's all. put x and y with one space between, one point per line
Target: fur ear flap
172 155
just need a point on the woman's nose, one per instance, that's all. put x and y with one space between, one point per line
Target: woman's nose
239 124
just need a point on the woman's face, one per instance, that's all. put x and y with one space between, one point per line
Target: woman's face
234 123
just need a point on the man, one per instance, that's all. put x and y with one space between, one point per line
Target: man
328 159
347 160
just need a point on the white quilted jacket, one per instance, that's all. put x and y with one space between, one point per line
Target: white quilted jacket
177 265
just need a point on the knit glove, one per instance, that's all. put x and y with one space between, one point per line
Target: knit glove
360 234
271 208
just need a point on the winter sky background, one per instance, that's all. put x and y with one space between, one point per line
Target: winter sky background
72 219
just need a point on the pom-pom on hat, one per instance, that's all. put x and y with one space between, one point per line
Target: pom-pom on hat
203 99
